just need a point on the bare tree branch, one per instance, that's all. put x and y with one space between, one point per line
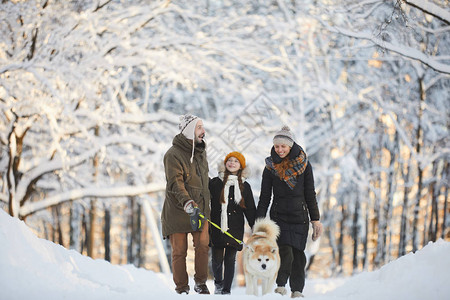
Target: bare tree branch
100 6
431 9
33 44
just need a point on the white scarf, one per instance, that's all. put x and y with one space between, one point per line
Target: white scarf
232 181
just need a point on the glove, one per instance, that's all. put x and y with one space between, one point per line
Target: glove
189 207
317 230
196 222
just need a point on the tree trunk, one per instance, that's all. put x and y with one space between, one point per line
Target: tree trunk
391 187
329 215
13 175
137 236
340 262
377 224
365 240
434 217
75 226
107 231
445 180
355 233
403 229
130 230
378 206
415 232
85 228
91 237
419 137
12 172
57 223
376 231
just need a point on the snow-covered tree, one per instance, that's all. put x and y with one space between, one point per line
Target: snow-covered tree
90 94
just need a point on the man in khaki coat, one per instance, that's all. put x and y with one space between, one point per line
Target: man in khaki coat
187 179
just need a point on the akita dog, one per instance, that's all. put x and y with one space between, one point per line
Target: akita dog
261 257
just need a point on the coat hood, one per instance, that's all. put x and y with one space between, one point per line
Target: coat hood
188 145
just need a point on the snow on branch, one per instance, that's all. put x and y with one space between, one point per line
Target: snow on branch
60 163
105 192
404 51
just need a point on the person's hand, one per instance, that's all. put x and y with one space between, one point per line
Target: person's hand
189 207
317 230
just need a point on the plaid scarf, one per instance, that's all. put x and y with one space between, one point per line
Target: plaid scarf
296 166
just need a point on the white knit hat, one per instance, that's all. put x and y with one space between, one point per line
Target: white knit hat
284 136
187 127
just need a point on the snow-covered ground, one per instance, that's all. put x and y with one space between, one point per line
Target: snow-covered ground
33 268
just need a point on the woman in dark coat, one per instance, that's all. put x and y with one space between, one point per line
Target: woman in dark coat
288 176
231 199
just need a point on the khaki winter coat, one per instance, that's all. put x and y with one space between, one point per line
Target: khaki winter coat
185 181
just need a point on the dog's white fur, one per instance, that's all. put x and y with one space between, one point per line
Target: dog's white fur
261 257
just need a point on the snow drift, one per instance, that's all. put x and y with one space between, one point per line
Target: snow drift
33 268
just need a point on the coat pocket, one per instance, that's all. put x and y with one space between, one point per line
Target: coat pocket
301 236
294 235
192 179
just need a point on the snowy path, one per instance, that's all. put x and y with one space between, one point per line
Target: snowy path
33 268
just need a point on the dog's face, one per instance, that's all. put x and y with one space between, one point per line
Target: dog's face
263 258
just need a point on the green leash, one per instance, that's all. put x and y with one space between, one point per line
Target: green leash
218 227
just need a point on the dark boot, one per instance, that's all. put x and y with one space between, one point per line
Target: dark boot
201 288
218 287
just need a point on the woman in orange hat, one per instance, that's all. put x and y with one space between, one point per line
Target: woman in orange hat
231 200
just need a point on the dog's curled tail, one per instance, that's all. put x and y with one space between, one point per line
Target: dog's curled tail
267 227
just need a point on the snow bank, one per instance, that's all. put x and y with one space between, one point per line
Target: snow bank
421 275
33 268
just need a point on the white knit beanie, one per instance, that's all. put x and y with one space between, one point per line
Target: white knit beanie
187 128
284 136
187 125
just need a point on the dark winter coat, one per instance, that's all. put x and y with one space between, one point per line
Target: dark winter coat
291 208
235 214
185 181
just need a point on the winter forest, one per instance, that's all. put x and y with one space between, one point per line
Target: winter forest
91 93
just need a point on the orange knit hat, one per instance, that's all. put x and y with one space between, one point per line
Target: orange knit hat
239 157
